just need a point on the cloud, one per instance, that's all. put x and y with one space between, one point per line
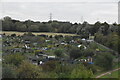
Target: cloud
59 0
67 11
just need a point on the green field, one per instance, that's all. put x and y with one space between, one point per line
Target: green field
37 33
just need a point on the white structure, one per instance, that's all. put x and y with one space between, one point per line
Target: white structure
35 63
41 62
0 36
51 56
79 46
0 60
83 46
90 40
83 39
47 40
27 47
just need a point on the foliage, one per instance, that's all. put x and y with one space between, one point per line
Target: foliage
84 29
9 71
28 70
59 52
75 53
49 66
81 72
104 60
14 59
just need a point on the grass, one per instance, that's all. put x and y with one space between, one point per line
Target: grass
97 46
37 33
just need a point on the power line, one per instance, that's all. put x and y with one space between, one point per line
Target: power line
50 16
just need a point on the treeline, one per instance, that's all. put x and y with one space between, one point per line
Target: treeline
9 24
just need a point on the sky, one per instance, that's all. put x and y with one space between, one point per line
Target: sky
62 10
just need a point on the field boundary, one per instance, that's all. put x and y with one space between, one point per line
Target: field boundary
37 33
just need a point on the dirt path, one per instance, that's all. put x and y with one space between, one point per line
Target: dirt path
109 72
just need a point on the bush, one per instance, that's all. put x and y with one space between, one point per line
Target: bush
14 59
9 71
13 35
28 70
81 72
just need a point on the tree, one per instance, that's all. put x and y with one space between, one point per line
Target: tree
104 28
33 28
63 70
104 60
88 52
98 37
75 53
112 41
44 27
96 27
7 24
20 26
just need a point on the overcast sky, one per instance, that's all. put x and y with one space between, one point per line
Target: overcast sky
62 10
